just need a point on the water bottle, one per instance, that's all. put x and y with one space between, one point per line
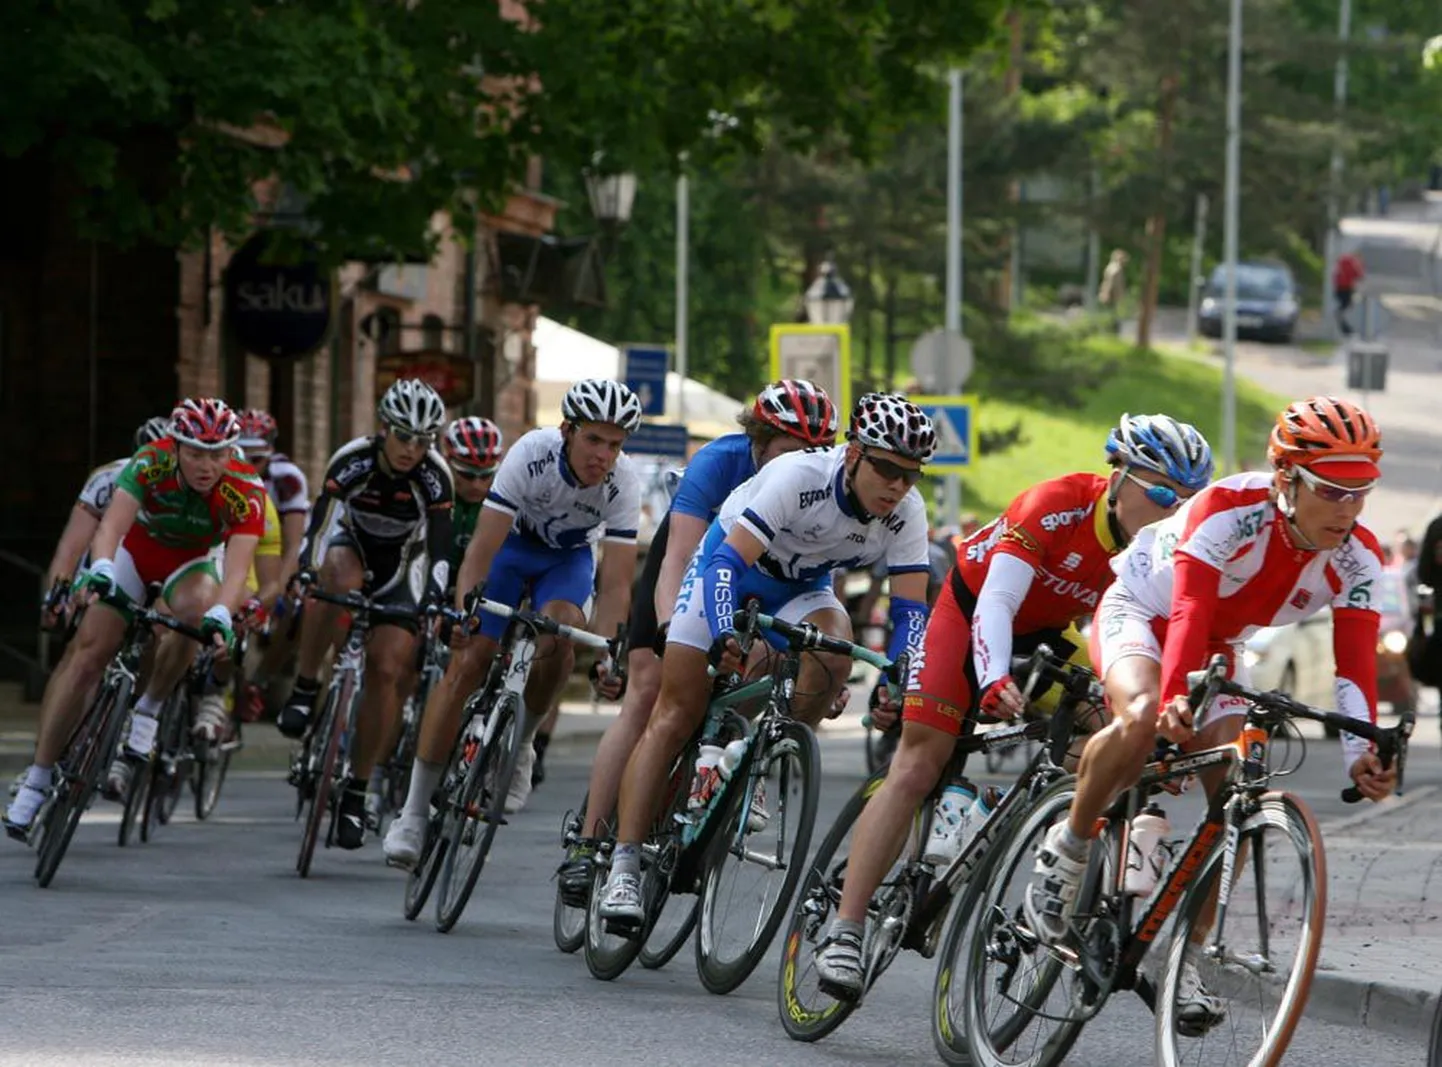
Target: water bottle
948 822
1146 850
731 758
708 762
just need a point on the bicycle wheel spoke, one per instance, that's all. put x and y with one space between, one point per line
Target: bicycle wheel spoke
1255 968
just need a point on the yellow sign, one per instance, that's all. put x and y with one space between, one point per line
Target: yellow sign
820 354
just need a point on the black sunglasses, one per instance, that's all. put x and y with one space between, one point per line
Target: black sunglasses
893 472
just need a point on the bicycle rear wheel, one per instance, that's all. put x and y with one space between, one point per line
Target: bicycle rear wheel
1258 967
673 919
568 924
320 769
92 748
759 856
1023 1006
211 765
168 768
479 811
137 802
807 1013
422 877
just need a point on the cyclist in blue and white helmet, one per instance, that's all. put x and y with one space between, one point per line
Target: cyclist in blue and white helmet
1160 446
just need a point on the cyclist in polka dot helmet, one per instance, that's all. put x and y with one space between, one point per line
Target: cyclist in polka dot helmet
889 421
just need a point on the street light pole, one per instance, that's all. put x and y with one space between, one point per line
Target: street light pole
952 483
1334 187
1229 239
683 261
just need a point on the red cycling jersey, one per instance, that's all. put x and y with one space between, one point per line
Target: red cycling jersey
1223 567
1042 564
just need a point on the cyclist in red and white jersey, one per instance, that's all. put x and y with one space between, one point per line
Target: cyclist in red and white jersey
1018 582
1252 550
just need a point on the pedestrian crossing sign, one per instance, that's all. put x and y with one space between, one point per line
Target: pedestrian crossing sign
957 444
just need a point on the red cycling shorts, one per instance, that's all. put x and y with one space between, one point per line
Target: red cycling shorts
941 682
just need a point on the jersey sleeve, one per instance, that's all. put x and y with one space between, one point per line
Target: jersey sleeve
1195 590
270 541
774 501
438 486
246 500
292 493
908 552
622 511
99 488
704 486
508 489
1220 523
144 468
1354 637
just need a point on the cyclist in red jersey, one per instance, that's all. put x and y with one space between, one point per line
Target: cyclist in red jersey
1252 550
177 499
1017 582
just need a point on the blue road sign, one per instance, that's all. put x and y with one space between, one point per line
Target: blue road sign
646 376
658 439
956 431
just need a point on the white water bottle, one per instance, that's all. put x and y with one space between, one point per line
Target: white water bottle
731 758
708 760
1146 850
948 822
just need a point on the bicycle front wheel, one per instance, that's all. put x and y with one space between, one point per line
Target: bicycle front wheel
211 764
568 924
320 770
478 811
759 856
1236 982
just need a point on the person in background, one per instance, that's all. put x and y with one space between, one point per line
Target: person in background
1113 289
1404 560
1346 275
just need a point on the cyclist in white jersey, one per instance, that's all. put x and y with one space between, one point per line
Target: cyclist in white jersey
1252 550
780 536
73 549
557 494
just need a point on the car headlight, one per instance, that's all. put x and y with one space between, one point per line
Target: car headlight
1285 308
1394 641
1209 305
1251 657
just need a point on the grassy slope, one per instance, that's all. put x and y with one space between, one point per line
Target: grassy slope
1058 440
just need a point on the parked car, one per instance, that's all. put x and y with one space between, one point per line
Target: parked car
1297 658
1267 305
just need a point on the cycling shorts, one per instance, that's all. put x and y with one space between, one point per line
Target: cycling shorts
141 560
548 574
788 601
397 569
941 686
642 630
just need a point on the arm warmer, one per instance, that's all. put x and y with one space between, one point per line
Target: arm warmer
908 627
1194 600
1008 579
1354 640
723 573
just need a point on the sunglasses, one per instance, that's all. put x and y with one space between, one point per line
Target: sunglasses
406 437
474 476
893 472
1163 496
1331 492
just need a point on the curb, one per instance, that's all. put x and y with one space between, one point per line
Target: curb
1383 1006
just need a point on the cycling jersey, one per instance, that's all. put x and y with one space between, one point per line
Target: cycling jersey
383 513
463 528
176 517
100 487
797 507
1038 567
1226 565
269 545
535 487
286 484
712 474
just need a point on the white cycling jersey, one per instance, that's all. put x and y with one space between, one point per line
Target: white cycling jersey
546 504
100 487
286 484
796 506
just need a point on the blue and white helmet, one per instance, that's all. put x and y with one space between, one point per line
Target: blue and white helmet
1160 443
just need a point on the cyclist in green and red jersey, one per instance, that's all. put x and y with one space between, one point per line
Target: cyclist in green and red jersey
472 447
178 498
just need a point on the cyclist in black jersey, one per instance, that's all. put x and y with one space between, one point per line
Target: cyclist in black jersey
384 511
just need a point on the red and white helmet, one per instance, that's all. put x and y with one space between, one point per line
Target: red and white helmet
798 409
889 421
205 422
473 444
258 430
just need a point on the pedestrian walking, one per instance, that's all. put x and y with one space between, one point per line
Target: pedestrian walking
1346 276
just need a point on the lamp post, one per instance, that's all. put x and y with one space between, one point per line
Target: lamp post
612 197
828 299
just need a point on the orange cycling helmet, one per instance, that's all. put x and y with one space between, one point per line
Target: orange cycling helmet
1326 430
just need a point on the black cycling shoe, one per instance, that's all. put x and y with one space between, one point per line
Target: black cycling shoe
538 769
574 875
295 716
350 823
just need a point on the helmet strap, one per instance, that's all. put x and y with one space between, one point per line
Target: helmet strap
1114 524
852 500
568 434
1287 505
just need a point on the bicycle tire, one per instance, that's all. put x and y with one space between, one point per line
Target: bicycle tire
209 775
722 976
1012 859
329 728
484 791
812 910
421 878
137 802
653 958
1287 813
173 783
568 924
99 744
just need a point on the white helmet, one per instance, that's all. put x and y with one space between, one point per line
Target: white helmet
413 406
602 400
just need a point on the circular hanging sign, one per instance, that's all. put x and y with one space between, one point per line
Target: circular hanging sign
282 310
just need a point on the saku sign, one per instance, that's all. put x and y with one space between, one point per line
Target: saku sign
283 310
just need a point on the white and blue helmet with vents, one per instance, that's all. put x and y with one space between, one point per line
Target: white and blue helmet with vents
1159 443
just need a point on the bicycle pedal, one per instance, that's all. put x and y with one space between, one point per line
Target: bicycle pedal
627 928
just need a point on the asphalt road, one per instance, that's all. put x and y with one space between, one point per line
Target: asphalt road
204 948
